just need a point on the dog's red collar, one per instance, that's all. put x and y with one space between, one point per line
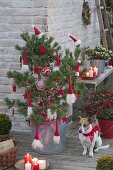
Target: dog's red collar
91 134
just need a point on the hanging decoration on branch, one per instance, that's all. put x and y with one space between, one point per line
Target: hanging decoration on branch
37 31
36 142
25 67
86 13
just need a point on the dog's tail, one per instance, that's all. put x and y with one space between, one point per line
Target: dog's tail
104 147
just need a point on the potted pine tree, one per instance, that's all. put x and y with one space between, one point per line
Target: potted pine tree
49 83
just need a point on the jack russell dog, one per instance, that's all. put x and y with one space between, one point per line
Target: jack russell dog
90 137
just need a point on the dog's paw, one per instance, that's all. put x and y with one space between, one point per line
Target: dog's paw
96 150
90 154
84 153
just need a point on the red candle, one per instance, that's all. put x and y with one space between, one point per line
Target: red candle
94 73
27 158
36 166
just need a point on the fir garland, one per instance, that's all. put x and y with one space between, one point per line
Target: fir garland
86 13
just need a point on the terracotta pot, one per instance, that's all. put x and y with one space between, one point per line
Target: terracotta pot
106 127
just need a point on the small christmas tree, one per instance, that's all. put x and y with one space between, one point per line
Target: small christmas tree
48 78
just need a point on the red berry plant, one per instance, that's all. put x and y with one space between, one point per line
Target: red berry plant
99 103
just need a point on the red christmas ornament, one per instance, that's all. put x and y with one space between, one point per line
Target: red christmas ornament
36 69
58 62
37 31
60 92
70 98
45 71
42 49
77 66
64 119
56 137
109 64
40 104
25 95
76 42
14 88
40 85
25 56
25 67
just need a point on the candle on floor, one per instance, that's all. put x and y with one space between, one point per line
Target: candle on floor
42 164
34 160
36 166
27 158
28 166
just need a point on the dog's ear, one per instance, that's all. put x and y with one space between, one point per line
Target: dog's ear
90 119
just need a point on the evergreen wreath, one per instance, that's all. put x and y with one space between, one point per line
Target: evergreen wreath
86 13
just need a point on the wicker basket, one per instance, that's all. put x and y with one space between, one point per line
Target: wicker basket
4 137
8 158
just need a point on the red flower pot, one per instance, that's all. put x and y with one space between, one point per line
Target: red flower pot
106 127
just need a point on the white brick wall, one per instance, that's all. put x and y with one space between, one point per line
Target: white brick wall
60 16
64 16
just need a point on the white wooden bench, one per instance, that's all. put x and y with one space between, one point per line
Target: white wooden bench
108 74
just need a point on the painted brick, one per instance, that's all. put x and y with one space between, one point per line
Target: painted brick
56 17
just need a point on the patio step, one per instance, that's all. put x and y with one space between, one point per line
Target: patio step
19 124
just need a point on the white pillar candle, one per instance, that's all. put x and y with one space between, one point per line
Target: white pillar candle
96 70
28 166
42 164
87 74
91 72
34 160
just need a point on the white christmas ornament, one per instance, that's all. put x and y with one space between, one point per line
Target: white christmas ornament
29 112
25 68
29 109
49 114
71 97
77 74
54 115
